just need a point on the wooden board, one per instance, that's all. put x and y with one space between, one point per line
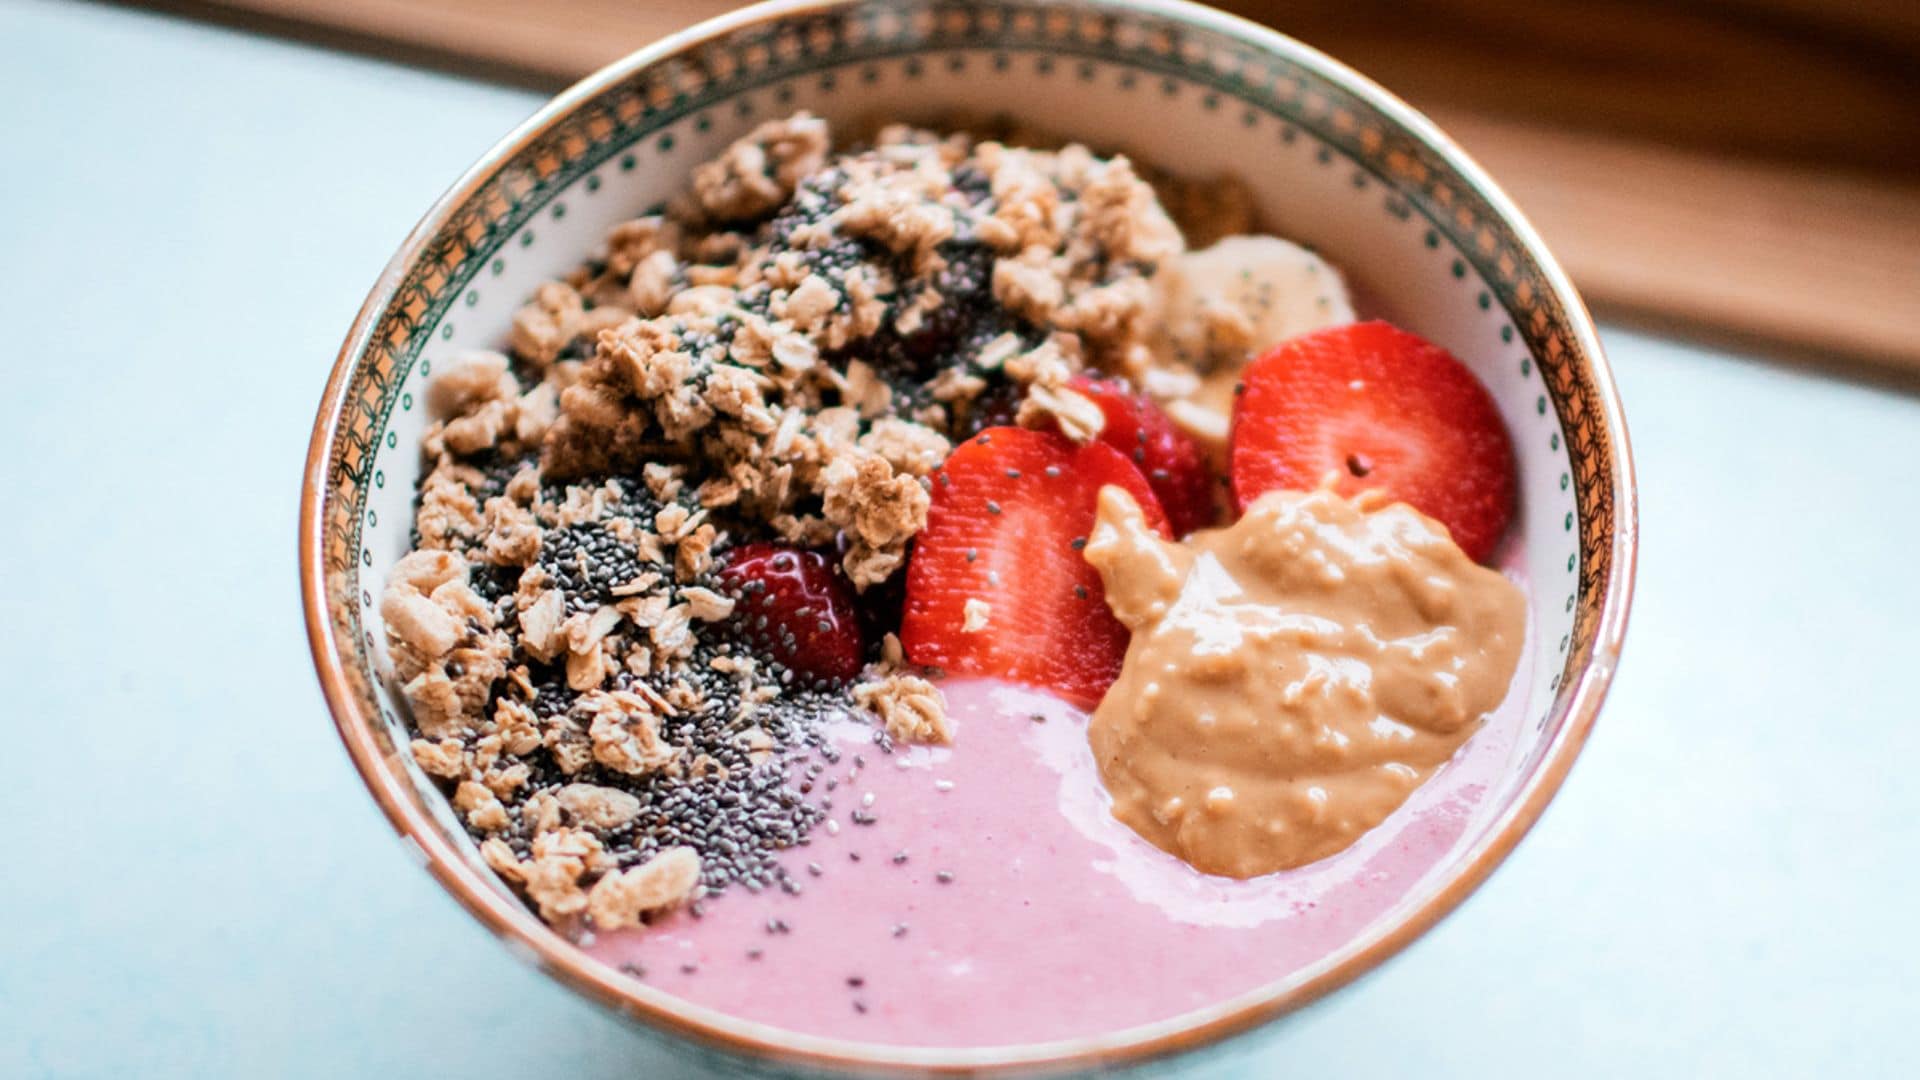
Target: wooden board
1748 167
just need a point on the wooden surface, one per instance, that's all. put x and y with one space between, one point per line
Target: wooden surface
1755 170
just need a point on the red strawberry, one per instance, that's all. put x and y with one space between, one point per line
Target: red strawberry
1011 512
1384 409
795 607
1173 463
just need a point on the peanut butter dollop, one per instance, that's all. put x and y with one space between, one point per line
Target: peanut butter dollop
1293 677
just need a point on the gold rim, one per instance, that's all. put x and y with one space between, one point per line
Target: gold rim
559 958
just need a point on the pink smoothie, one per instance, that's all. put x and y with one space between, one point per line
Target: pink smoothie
994 900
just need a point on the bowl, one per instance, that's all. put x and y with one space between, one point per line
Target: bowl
1332 160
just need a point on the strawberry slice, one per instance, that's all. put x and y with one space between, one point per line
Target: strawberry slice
1172 462
1011 512
795 607
1383 409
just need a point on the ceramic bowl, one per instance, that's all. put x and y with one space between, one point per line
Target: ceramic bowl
1333 160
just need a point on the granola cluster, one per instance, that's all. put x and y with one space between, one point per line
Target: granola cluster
786 352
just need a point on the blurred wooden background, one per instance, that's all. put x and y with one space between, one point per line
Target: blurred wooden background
1742 167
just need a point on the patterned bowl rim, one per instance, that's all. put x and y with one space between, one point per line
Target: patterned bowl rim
531 939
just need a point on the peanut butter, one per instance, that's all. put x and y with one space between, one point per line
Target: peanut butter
1293 677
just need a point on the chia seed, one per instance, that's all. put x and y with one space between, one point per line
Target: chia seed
586 561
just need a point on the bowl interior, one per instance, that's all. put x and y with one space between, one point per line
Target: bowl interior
1329 164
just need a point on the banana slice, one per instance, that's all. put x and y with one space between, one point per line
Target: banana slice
1228 303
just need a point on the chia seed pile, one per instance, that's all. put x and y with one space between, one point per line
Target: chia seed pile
740 814
785 353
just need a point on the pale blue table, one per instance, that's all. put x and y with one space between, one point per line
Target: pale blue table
194 884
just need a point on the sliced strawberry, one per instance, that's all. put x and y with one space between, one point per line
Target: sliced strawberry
1010 515
1172 462
1383 409
795 607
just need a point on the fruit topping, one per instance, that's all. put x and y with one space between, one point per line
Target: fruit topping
1175 466
795 607
1382 409
1224 302
997 584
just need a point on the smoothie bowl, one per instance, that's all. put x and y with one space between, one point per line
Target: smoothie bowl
967 536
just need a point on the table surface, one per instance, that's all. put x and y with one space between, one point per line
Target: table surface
198 886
